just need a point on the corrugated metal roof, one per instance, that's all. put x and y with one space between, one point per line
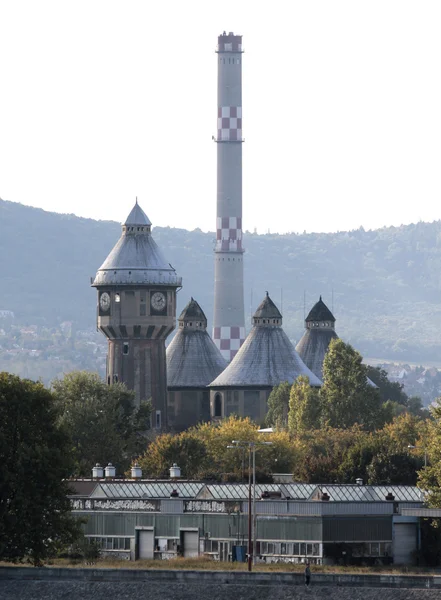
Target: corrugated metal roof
313 346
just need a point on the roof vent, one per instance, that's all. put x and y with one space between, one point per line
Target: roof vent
175 471
325 497
110 471
97 471
174 494
136 471
390 496
359 481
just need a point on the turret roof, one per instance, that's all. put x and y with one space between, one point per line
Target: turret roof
136 259
320 312
137 216
193 359
266 358
267 310
193 311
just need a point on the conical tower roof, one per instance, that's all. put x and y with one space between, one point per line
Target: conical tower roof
267 309
136 258
193 312
315 341
320 312
137 216
267 357
193 359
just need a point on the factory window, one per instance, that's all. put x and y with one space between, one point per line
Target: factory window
126 348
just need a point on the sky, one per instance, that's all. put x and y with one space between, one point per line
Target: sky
103 101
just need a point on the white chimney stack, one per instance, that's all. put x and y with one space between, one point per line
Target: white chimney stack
97 471
175 471
136 471
110 471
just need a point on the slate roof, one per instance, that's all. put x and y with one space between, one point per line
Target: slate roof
193 311
313 346
136 258
320 312
267 310
265 359
315 341
193 359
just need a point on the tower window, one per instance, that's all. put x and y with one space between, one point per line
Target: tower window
158 419
117 298
217 405
115 379
126 348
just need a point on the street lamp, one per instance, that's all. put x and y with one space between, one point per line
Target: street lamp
412 447
251 509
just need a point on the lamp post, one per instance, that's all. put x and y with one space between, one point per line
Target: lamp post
251 507
412 447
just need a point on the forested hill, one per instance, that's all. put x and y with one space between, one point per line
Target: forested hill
387 282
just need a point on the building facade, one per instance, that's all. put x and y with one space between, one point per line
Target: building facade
323 524
229 316
136 311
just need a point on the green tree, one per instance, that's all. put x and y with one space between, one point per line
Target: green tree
346 397
278 406
184 449
304 407
388 390
35 516
429 478
102 420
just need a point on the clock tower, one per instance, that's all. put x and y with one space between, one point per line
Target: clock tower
136 311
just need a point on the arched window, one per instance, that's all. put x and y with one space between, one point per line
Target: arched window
218 405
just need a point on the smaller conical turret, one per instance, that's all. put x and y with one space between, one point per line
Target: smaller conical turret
137 217
193 316
320 316
267 313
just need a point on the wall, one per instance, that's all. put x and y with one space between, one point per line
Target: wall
51 584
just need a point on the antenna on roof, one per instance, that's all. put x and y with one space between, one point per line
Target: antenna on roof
251 303
281 300
332 299
304 304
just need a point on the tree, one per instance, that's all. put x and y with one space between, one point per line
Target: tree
35 515
346 397
278 406
388 390
102 421
304 407
184 449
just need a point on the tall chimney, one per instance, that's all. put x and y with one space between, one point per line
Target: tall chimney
229 319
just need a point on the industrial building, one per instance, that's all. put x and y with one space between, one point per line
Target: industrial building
295 522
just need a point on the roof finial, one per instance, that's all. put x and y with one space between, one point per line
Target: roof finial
320 297
136 202
267 294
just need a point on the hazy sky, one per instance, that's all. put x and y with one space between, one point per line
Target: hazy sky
102 101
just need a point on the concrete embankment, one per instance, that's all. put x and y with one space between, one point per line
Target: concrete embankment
19 583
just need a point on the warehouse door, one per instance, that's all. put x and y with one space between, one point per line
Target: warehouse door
190 542
145 543
405 542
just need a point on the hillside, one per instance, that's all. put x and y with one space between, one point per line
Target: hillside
387 282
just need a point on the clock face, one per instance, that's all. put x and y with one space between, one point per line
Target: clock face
104 301
158 301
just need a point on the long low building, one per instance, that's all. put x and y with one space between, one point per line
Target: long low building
295 522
